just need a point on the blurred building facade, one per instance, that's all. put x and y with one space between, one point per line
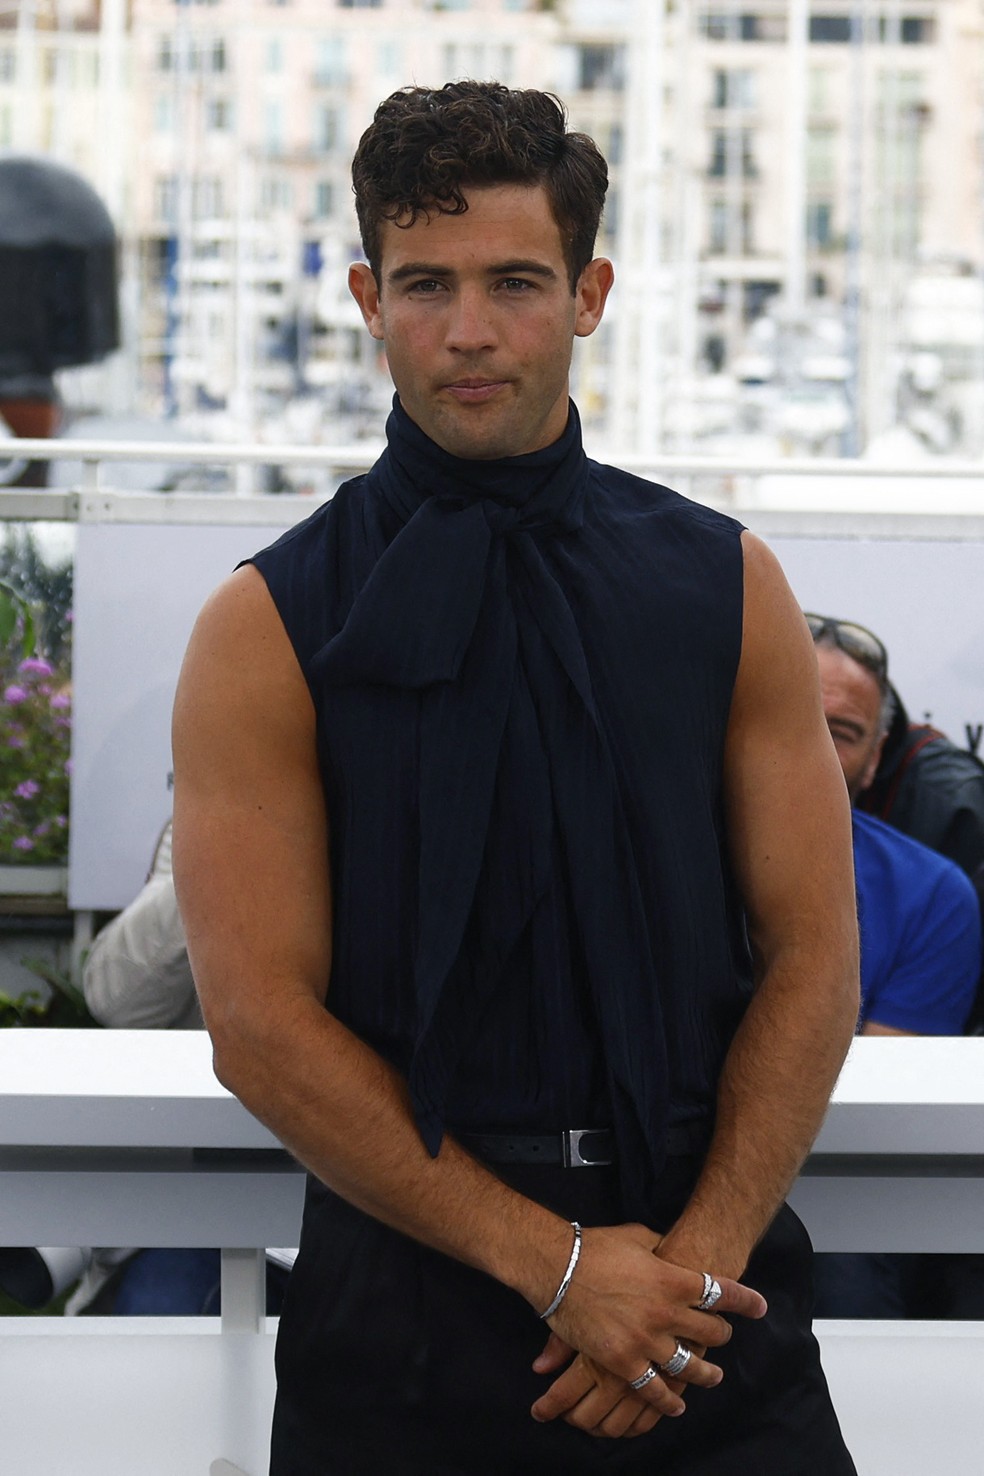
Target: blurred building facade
796 211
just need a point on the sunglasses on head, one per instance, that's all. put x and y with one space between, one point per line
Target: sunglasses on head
856 641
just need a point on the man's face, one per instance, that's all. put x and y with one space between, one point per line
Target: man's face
852 706
479 320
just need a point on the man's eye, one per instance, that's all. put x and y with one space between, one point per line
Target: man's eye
426 285
516 284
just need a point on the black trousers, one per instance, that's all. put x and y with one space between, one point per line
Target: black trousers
394 1361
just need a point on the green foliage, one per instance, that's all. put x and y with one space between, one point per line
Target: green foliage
17 631
44 590
61 1006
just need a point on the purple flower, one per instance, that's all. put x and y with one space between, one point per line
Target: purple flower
61 821
23 843
68 766
14 695
27 790
40 831
16 741
34 663
61 700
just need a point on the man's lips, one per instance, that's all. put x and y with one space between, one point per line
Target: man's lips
474 391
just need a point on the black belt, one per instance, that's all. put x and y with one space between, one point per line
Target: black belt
574 1148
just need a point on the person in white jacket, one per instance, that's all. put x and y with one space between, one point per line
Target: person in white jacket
137 975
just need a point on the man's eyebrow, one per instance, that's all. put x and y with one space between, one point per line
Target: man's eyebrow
522 268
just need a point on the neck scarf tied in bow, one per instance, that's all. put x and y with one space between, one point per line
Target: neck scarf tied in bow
464 609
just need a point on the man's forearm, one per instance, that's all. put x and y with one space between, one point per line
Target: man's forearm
772 1097
345 1114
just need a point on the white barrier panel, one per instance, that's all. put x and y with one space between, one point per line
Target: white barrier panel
130 1399
167 1398
139 587
923 598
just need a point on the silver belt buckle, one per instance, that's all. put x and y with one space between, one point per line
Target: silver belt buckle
571 1149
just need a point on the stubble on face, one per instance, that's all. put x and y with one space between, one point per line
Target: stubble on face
478 320
852 705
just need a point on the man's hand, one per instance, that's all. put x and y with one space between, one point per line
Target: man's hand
627 1308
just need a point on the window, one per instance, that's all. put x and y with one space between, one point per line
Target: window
734 89
389 59
8 64
732 154
275 55
719 25
818 91
730 228
164 113
207 198
326 129
329 67
360 4
830 28
324 198
273 126
918 30
166 199
601 68
275 193
820 156
165 54
218 114
820 224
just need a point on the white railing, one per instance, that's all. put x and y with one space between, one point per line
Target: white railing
931 487
98 1132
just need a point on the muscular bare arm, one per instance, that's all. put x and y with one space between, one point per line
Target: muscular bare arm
790 837
790 834
251 868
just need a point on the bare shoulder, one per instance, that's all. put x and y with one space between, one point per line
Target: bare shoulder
240 677
250 828
778 663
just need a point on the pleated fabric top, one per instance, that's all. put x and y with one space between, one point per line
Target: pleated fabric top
522 672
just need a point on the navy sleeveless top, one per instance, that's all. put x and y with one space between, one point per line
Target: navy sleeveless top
522 672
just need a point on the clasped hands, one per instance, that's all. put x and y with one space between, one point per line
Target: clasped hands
627 1307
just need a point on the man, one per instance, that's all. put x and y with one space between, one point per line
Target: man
919 919
920 960
136 974
927 787
553 720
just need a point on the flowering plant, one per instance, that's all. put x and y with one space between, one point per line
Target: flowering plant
35 734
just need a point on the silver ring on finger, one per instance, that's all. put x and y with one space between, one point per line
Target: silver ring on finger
651 1373
674 1366
711 1294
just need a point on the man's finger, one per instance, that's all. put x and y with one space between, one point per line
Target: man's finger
555 1354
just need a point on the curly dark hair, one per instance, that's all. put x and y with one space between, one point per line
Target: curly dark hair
425 147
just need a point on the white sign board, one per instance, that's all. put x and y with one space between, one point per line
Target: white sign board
925 600
138 588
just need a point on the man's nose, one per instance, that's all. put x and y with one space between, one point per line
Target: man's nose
471 321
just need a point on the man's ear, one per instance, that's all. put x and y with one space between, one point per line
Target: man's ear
365 289
593 287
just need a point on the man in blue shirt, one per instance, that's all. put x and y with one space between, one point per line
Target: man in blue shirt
920 934
917 911
920 930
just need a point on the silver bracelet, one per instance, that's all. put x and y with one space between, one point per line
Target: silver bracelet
562 1288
